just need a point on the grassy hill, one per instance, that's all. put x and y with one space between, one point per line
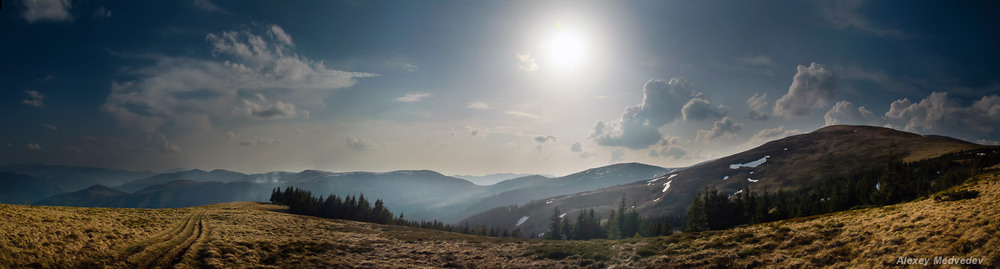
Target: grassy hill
247 234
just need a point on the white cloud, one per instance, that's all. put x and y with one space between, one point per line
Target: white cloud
662 103
757 103
46 10
845 112
159 142
576 147
700 109
844 14
812 87
50 126
278 33
36 99
252 75
521 114
102 12
412 97
526 63
724 128
478 105
939 113
356 143
33 146
260 142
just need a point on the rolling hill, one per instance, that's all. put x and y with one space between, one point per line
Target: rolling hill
246 234
787 164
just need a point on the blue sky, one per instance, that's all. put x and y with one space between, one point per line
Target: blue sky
478 87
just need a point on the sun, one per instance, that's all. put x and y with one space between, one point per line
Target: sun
565 49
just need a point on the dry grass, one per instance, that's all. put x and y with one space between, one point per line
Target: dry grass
240 235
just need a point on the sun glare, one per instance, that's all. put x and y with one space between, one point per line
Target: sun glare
566 49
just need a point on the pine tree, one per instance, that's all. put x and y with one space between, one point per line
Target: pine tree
552 231
697 220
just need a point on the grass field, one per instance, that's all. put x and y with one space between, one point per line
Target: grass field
245 234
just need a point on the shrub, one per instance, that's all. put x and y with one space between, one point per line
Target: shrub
956 195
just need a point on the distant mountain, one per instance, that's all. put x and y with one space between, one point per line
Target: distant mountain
420 194
494 178
73 178
787 164
22 189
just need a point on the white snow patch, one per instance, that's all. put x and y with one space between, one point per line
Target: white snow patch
751 172
548 202
655 179
738 192
521 221
562 216
786 148
725 177
656 200
666 186
674 175
750 164
752 180
878 186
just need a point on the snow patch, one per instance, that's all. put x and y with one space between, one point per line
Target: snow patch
738 192
725 177
750 164
562 216
548 202
521 221
655 179
656 200
786 148
666 186
752 180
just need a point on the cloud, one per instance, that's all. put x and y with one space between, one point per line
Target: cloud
231 135
477 131
260 142
521 114
356 143
249 75
724 128
700 109
637 127
207 5
263 109
412 97
35 100
617 155
32 146
50 126
478 105
102 12
576 147
71 149
812 87
845 112
158 141
672 152
757 103
844 14
543 139
279 34
766 135
987 142
46 10
526 63
939 113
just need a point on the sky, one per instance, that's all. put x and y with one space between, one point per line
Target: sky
478 87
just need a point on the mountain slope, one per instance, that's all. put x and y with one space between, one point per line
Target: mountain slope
491 179
23 189
47 180
788 164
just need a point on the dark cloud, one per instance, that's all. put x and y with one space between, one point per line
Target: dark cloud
33 146
35 100
637 127
543 139
576 147
812 87
46 10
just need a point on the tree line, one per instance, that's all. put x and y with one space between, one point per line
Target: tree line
894 183
621 223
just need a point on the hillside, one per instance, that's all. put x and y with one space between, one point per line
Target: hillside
788 164
247 234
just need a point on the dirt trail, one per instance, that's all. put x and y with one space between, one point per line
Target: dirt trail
167 249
